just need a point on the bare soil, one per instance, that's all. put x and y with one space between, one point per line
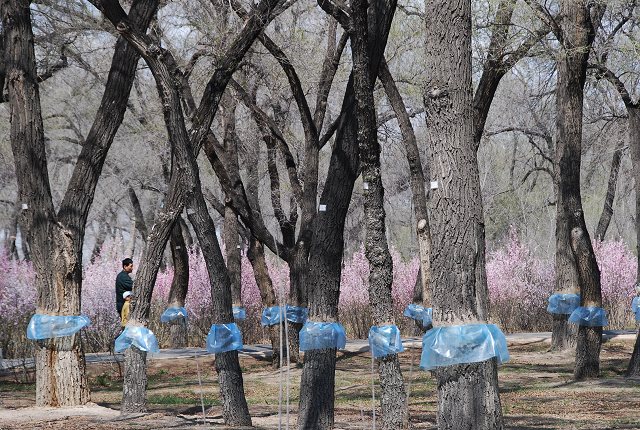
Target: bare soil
537 392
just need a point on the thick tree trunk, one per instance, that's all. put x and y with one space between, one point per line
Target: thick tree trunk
571 231
634 144
178 335
232 248
317 384
467 394
60 368
393 397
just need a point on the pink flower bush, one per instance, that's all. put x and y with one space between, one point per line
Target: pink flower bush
519 285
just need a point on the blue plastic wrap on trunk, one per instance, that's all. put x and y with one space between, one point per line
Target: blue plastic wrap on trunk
589 316
563 303
297 314
138 336
385 340
419 313
239 313
471 343
50 326
223 338
635 307
322 335
172 314
273 316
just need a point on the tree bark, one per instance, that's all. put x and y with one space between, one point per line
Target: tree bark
418 191
317 383
178 335
467 394
607 210
577 33
634 143
393 397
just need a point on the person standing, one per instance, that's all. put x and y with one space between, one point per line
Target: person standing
123 283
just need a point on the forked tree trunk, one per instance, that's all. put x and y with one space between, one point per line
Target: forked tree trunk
393 395
60 367
325 258
571 231
185 188
178 334
468 395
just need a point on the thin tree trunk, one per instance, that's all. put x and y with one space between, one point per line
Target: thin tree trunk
468 396
393 396
419 195
234 404
178 335
607 210
317 383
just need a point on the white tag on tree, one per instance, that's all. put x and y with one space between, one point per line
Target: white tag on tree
25 206
365 185
190 211
322 208
434 185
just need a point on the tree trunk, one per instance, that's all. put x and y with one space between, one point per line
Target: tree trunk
634 144
468 395
393 397
234 405
607 210
419 195
60 367
571 231
317 384
178 335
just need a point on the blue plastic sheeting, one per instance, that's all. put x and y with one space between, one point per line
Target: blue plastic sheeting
635 307
419 313
239 313
138 336
172 314
589 316
272 315
48 326
385 340
471 343
563 303
322 335
223 338
297 314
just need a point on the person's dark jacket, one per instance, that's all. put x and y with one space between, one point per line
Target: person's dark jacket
123 283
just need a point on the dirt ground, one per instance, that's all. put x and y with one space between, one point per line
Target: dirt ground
537 392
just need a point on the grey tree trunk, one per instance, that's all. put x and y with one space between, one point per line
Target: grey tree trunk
468 395
607 210
393 396
317 383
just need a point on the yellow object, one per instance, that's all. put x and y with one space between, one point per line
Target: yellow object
125 313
